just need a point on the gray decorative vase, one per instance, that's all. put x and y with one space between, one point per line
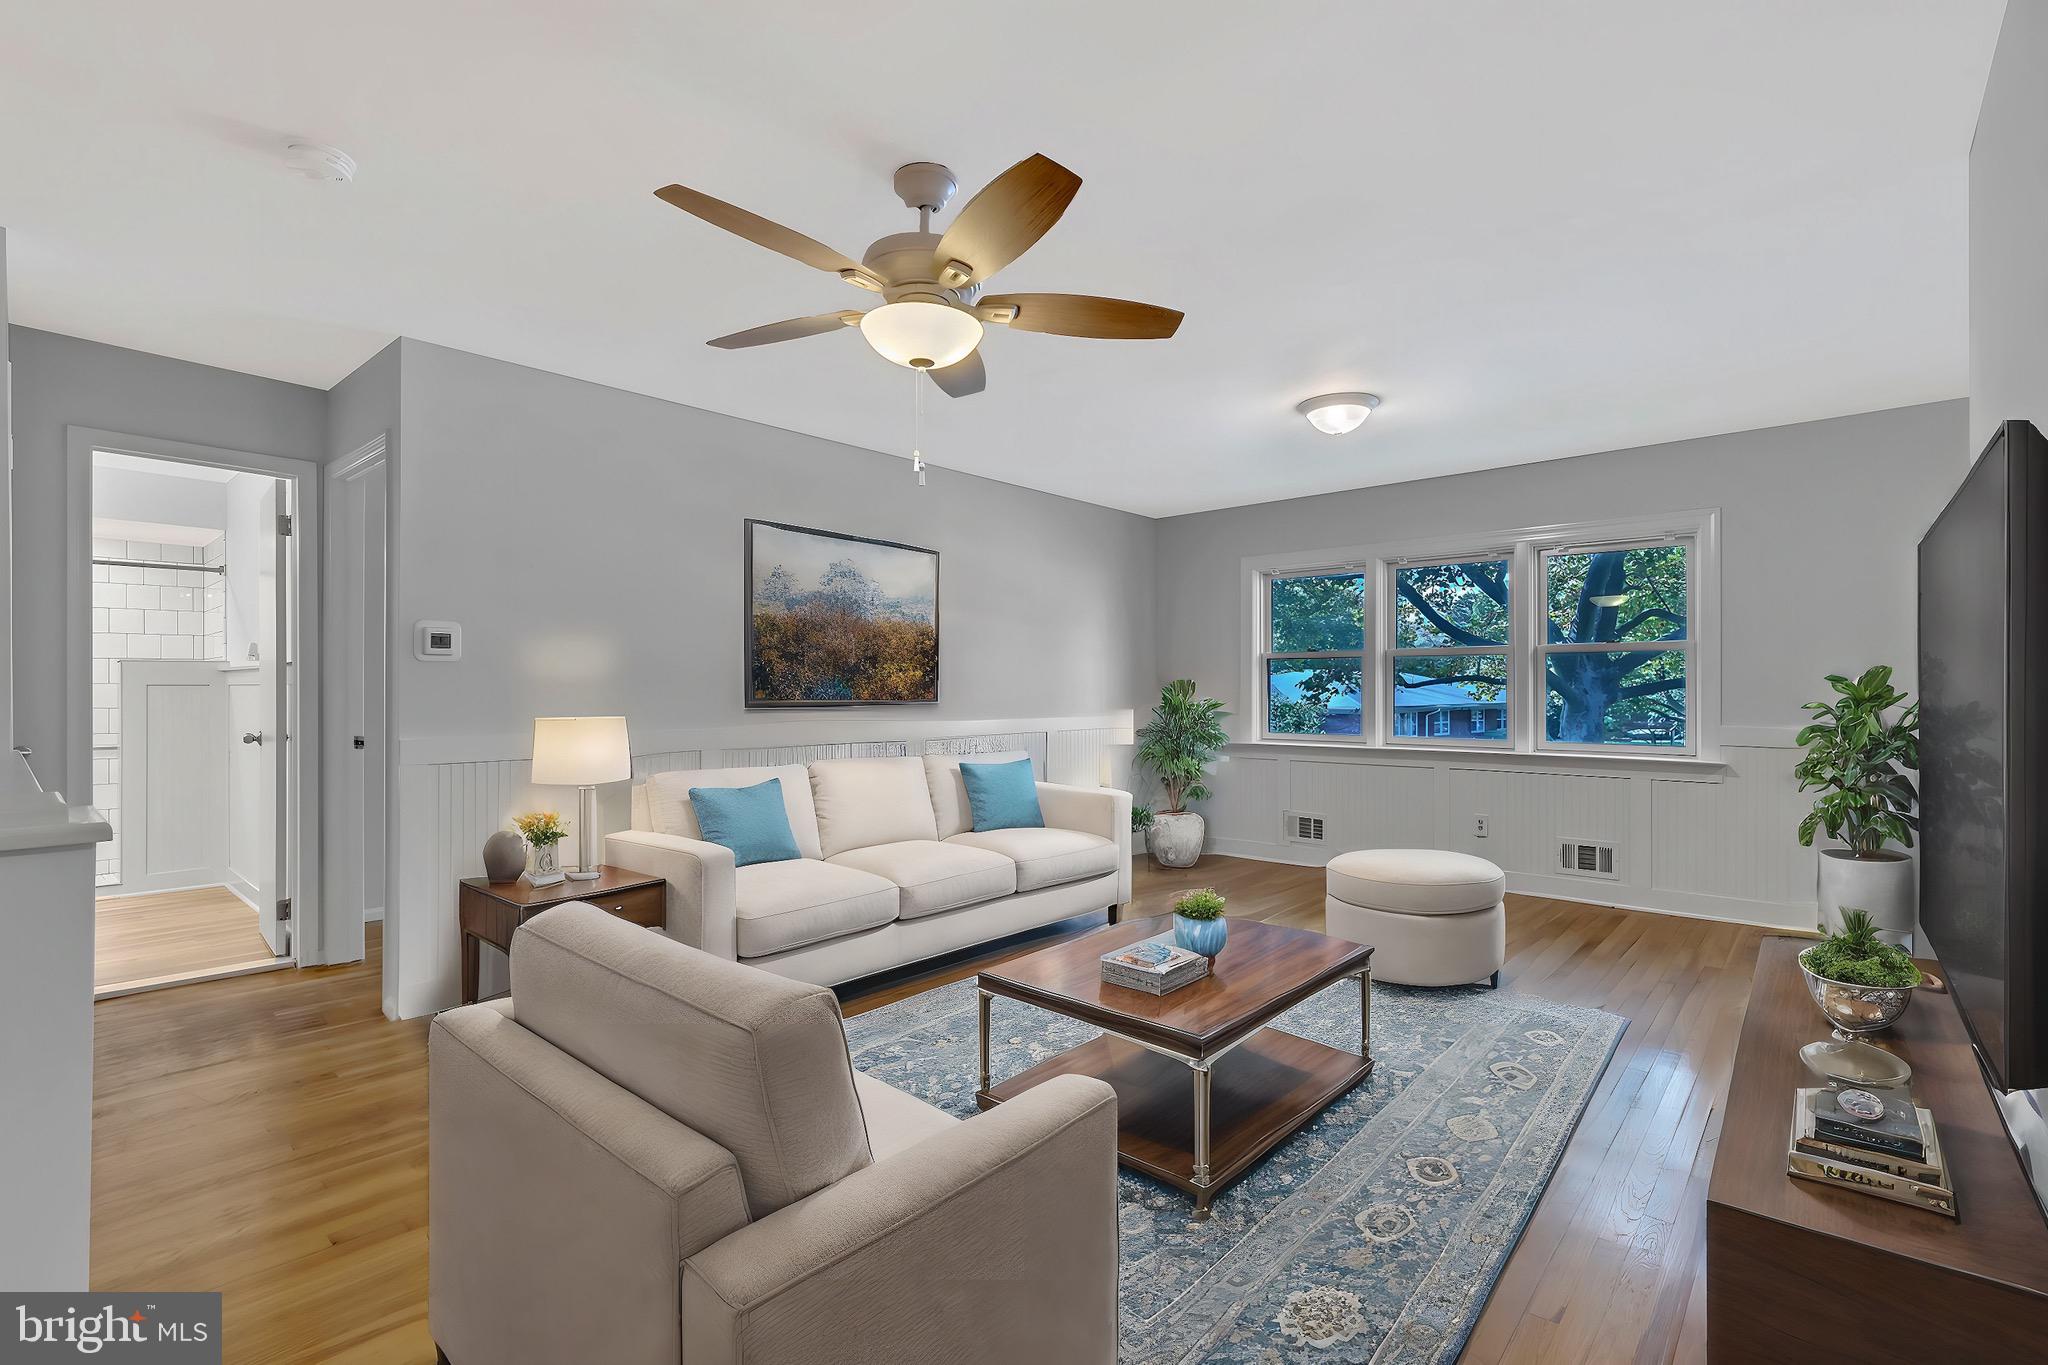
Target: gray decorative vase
1176 840
504 856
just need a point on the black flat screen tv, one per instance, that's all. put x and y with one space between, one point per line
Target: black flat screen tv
1984 752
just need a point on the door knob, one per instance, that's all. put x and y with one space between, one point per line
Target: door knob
253 737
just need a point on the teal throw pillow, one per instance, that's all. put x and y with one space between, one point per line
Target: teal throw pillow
1002 795
751 821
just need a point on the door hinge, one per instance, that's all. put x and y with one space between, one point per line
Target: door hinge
284 523
284 911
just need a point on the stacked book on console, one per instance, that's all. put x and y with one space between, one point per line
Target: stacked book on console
1875 1141
1154 965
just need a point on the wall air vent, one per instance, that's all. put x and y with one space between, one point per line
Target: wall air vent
1586 858
1300 827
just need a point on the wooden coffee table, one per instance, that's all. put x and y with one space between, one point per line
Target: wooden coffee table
1204 1088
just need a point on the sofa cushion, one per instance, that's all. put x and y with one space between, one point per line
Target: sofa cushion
866 801
1002 795
949 792
669 811
751 821
1046 857
896 1120
778 906
934 876
754 1061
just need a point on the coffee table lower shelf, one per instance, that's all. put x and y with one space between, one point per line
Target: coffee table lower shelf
1260 1093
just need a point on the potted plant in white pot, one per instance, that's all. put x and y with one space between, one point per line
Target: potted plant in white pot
1183 739
1855 754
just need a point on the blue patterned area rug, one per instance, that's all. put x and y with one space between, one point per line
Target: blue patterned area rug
1373 1234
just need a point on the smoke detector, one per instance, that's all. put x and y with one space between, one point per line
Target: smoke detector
316 161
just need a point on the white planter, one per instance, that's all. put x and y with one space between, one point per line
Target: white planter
1176 840
1883 887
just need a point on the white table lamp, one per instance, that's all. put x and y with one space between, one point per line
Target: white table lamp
582 752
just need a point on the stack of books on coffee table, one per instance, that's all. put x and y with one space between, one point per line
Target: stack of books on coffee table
1155 965
1872 1140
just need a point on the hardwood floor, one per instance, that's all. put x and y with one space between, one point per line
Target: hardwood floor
266 1136
145 939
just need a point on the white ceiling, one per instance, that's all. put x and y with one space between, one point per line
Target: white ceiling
175 469
1538 230
153 532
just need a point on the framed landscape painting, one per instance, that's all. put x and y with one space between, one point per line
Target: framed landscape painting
838 620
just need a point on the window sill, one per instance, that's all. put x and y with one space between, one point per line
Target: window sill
1451 755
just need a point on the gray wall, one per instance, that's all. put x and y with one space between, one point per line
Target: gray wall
2008 230
589 542
8 588
1819 523
62 381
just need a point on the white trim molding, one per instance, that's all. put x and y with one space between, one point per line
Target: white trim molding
1715 845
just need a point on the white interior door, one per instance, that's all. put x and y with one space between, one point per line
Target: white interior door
173 774
370 686
272 551
248 837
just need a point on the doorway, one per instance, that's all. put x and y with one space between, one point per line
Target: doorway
189 696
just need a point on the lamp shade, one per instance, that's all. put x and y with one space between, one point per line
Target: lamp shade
580 751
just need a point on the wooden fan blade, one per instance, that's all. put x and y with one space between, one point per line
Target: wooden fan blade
1080 315
999 224
785 331
962 377
758 230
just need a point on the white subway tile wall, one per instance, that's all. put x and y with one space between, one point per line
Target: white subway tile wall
165 611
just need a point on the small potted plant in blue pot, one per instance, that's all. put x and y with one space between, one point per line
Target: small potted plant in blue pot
1198 923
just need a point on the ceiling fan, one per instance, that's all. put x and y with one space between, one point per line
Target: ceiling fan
935 309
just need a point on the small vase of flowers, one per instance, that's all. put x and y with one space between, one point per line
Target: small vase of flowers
543 831
1198 923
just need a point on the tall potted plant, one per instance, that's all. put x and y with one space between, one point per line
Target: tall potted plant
1856 747
1183 739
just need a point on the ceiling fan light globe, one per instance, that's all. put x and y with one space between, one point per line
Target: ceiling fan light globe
1334 414
922 336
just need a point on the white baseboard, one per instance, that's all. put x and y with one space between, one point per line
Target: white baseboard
241 888
373 915
1620 895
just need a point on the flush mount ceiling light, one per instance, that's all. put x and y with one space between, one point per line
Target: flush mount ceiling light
316 161
1608 599
923 334
1333 414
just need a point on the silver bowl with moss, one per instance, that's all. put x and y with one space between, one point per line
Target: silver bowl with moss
1861 983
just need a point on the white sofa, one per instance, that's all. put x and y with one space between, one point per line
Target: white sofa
892 871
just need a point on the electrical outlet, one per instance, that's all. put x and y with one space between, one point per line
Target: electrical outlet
1479 827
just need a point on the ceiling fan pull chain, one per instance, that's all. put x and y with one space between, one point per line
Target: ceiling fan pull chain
917 425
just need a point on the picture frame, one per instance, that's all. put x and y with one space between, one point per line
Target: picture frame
834 619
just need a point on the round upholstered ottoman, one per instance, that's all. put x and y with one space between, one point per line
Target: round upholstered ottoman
1433 918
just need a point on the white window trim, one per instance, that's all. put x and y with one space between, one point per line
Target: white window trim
1525 709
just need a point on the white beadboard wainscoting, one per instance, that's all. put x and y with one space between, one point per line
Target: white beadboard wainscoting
1717 843
453 793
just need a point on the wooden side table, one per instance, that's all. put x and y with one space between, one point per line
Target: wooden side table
490 910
